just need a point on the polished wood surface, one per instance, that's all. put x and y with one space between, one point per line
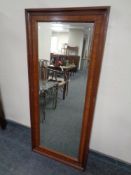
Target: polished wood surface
98 16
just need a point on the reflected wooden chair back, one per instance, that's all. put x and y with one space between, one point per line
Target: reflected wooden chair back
55 74
61 77
43 72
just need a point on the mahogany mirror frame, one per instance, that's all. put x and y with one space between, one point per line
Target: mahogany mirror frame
97 15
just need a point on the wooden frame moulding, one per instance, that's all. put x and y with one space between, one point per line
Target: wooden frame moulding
97 15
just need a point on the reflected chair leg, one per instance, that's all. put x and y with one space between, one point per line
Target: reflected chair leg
52 91
52 97
44 104
67 88
64 91
41 107
67 81
56 93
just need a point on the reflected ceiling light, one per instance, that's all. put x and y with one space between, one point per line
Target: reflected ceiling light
57 25
58 29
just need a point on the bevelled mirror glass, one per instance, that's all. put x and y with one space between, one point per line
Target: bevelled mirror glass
65 48
63 71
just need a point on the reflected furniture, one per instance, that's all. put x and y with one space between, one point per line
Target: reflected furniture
47 90
61 76
71 50
48 94
69 59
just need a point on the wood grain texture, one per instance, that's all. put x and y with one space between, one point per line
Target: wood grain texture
97 15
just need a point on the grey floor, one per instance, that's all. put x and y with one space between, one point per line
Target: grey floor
16 158
62 128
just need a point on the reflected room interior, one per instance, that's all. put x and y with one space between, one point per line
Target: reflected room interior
63 59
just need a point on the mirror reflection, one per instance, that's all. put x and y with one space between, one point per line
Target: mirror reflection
64 57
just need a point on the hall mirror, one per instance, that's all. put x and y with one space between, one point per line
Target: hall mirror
65 49
63 70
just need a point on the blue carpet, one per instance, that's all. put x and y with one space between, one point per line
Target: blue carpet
61 130
17 158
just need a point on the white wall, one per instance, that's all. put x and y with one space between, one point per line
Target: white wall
76 37
44 40
112 121
62 38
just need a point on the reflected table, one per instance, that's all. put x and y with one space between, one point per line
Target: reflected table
67 68
48 91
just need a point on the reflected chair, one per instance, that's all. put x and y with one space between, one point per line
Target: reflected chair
47 90
61 77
